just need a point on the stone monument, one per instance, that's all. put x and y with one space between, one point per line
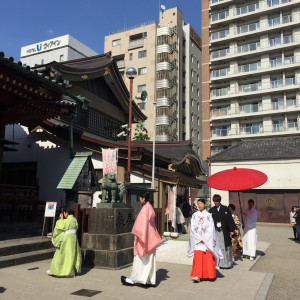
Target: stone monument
109 242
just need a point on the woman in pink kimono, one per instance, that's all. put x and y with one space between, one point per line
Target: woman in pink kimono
146 239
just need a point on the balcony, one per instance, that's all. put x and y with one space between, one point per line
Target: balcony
121 64
163 83
136 44
275 64
162 120
164 31
258 130
255 110
164 48
165 101
247 11
253 89
162 138
164 66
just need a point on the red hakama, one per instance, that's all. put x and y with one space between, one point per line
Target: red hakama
204 265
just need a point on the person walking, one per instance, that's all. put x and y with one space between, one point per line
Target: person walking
67 258
297 221
236 237
293 222
146 239
225 227
249 226
204 245
186 210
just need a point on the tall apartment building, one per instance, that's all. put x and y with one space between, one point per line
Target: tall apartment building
167 57
250 71
61 48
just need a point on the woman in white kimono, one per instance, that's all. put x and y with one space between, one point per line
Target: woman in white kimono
204 245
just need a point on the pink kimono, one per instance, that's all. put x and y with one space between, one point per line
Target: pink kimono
146 237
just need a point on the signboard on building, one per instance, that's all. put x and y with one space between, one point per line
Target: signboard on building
195 37
45 46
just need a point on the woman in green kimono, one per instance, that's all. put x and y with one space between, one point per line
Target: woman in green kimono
236 238
67 258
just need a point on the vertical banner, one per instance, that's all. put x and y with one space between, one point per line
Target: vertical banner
109 159
194 193
170 202
174 225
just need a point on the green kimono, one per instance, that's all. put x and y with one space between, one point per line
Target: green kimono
67 257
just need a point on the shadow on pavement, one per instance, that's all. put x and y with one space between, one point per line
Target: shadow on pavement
219 275
161 275
261 253
2 289
85 270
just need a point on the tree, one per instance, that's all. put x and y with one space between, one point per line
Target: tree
141 133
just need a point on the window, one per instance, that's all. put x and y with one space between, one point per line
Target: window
142 105
274 21
278 103
275 61
141 87
247 28
142 53
288 60
220 53
116 42
251 87
248 47
249 67
292 123
274 41
247 8
251 128
220 16
278 125
219 34
220 72
130 56
61 57
288 39
291 102
276 82
142 71
287 19
290 80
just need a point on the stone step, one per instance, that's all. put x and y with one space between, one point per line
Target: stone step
23 245
24 258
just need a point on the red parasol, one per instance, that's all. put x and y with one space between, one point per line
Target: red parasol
237 180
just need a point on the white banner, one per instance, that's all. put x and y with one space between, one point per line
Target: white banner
109 159
172 195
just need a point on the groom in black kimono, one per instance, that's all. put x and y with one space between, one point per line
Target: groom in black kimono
225 227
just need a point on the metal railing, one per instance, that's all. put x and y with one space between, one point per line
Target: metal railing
132 27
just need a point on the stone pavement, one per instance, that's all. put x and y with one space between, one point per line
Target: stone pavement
31 282
282 259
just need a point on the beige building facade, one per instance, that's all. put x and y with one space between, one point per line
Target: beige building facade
167 57
250 71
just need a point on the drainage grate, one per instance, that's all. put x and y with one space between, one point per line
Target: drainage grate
33 269
86 293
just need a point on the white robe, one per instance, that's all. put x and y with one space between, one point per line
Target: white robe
203 235
250 235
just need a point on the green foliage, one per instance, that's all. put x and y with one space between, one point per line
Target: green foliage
141 133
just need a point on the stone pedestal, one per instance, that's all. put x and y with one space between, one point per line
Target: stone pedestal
109 243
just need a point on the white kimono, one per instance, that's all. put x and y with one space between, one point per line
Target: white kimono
203 235
250 235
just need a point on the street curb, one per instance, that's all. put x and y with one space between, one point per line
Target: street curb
264 287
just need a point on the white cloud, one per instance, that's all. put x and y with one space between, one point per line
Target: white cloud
50 31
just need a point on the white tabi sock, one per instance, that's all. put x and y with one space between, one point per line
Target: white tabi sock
129 280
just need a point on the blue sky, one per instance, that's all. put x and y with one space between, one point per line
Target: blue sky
27 22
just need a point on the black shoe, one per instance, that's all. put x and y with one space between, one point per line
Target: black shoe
123 280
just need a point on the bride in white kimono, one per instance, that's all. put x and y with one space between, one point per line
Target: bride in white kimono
204 245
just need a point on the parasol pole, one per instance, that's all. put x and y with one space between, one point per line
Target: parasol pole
240 208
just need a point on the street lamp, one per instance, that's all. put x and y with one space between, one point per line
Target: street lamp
153 146
131 74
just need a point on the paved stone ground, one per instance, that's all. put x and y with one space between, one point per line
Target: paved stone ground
282 258
30 281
